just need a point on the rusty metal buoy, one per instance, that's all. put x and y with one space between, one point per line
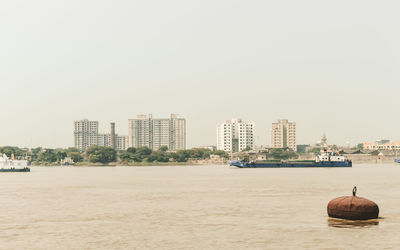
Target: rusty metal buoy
353 208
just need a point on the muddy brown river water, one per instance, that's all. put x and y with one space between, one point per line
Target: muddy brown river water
195 207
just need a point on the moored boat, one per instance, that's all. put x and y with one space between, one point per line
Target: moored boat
325 159
25 169
12 165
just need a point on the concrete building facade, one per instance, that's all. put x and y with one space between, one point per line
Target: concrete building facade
178 133
86 134
283 134
121 142
145 131
235 135
105 140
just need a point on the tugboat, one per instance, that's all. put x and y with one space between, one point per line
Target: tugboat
324 160
12 165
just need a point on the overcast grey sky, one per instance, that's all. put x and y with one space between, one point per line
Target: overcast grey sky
331 66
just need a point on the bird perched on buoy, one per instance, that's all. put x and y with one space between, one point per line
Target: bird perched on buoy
353 208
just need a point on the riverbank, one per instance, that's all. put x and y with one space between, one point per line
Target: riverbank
356 159
130 164
359 158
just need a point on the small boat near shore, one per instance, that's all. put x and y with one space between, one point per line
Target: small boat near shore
12 165
324 160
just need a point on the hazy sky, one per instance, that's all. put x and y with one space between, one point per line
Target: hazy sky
331 66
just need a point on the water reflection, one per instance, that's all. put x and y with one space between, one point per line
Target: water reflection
341 223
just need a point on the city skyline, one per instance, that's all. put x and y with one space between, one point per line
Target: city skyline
208 61
105 126
213 124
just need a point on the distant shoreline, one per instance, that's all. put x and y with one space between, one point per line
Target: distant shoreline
137 164
141 164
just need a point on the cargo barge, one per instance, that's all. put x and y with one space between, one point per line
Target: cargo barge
324 160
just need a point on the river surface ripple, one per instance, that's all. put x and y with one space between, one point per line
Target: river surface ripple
194 207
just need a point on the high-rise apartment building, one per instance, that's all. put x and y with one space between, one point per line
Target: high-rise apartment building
178 133
86 133
235 135
154 133
283 134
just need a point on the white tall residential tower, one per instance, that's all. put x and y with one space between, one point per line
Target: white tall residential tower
85 134
283 134
235 135
154 133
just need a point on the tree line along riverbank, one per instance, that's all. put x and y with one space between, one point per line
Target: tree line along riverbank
141 156
144 156
100 156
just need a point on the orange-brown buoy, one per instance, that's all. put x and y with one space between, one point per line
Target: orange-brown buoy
353 208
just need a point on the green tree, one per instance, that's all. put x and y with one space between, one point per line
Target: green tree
315 150
222 154
47 156
144 151
125 156
75 156
198 153
98 154
248 148
60 154
179 156
72 150
131 150
141 154
282 154
158 155
8 150
36 151
130 155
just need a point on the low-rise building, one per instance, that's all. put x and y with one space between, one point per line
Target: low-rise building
121 142
382 145
302 148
